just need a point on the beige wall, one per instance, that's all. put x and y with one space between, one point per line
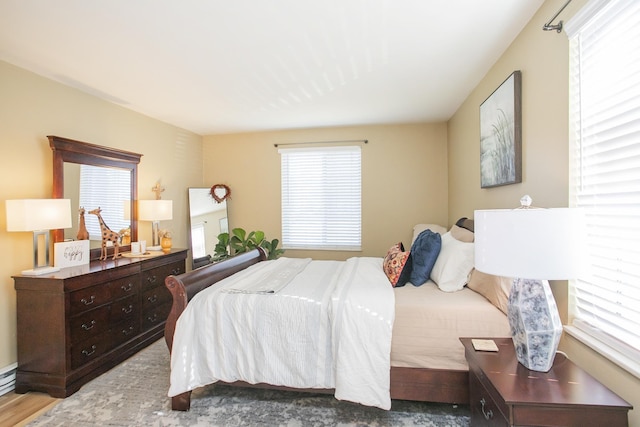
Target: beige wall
543 59
32 107
404 175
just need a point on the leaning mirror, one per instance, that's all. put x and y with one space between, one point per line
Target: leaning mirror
93 176
207 219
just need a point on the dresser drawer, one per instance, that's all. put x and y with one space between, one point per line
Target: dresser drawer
89 324
90 349
155 297
156 276
89 298
124 287
124 331
484 410
125 308
156 316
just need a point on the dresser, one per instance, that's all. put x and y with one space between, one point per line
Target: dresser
78 323
505 393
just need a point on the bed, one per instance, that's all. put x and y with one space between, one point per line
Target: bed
425 356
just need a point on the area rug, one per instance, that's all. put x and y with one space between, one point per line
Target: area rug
134 393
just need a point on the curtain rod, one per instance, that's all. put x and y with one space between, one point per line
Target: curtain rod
558 26
366 141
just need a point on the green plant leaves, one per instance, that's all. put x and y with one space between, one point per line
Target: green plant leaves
239 242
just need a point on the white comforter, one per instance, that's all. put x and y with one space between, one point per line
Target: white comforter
328 327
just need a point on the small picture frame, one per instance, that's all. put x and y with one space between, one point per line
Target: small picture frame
501 134
71 253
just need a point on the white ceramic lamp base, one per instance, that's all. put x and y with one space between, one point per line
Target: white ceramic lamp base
535 323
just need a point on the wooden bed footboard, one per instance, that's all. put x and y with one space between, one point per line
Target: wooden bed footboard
418 384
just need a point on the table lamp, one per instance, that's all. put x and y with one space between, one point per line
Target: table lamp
39 216
155 211
532 246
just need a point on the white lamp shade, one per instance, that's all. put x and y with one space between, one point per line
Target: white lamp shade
542 244
38 214
155 210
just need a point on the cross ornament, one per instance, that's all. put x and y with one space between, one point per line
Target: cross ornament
157 189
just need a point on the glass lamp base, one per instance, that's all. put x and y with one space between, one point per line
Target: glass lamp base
535 323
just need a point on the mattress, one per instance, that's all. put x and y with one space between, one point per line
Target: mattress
429 322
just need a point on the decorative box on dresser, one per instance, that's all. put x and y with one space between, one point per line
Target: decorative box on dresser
78 323
505 393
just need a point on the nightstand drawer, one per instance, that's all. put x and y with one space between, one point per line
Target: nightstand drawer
484 410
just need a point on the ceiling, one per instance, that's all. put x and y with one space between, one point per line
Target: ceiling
225 66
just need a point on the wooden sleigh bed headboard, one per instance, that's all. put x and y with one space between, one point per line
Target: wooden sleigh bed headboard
418 384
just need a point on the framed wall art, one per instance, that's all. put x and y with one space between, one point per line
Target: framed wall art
501 134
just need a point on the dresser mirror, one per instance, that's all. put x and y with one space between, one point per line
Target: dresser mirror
207 219
99 171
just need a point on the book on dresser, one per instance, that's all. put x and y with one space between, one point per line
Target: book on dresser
78 323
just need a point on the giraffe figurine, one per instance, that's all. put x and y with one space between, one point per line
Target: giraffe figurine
108 235
83 234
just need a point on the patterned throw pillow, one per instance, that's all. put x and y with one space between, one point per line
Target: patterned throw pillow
397 265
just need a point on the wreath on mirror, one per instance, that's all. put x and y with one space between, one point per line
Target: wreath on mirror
220 193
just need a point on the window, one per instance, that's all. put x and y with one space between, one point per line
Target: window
115 189
321 198
605 173
198 241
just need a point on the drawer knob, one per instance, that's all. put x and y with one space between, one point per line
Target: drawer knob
153 319
487 414
176 271
127 332
152 298
88 301
152 279
89 352
127 288
89 326
127 310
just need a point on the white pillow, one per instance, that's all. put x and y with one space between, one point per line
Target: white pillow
454 263
419 228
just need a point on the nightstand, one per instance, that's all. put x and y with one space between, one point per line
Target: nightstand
505 393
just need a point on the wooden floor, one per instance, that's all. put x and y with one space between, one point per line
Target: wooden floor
20 409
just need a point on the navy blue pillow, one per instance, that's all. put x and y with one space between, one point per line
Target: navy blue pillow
424 253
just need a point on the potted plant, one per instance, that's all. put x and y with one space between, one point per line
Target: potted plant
239 242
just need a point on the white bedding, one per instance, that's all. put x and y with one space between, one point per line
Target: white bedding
329 327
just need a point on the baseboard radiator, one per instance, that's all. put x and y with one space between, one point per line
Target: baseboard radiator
8 378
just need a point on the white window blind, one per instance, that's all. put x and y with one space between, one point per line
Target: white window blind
321 198
107 189
198 241
605 169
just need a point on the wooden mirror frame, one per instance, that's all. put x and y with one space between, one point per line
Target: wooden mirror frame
71 151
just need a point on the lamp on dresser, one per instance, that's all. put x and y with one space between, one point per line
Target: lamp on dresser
155 211
39 216
532 245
